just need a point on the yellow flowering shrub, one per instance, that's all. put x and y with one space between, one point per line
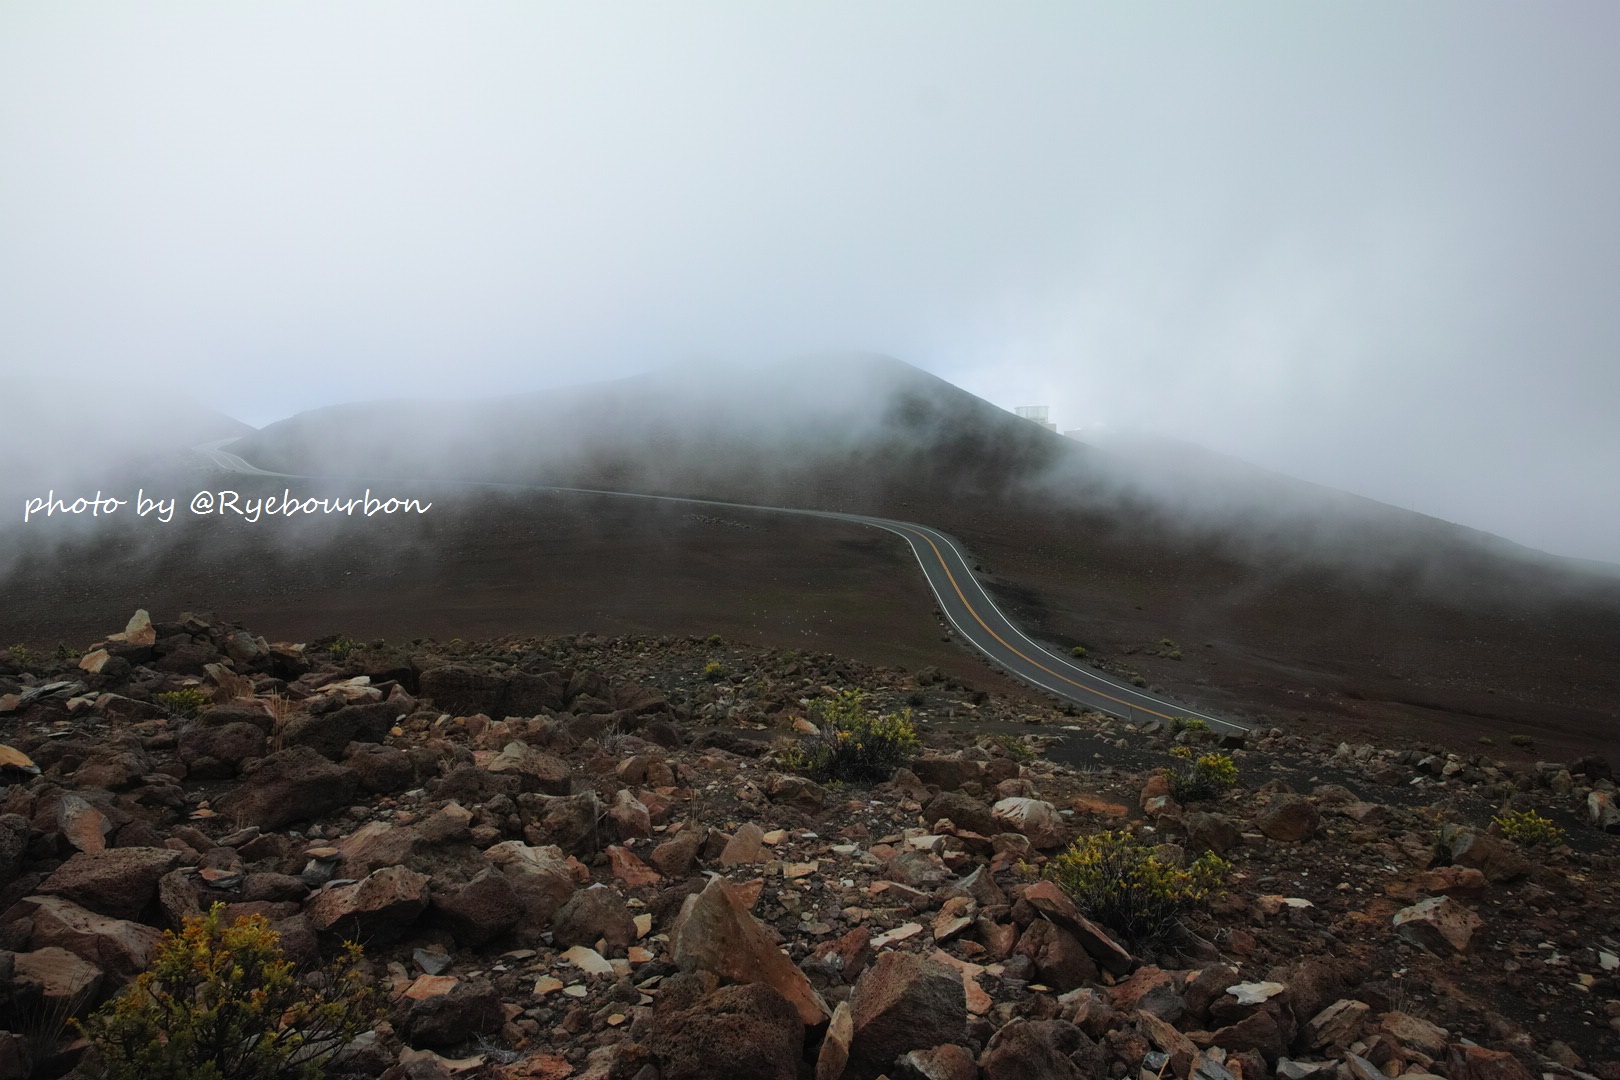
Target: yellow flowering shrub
222 1003
1528 828
853 745
1120 882
1203 777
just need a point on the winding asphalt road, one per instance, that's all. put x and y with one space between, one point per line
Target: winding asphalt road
961 597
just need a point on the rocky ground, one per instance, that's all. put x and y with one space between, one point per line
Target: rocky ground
580 857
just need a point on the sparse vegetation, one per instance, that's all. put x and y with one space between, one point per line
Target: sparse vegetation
222 1003
1012 746
342 646
1178 724
1203 777
854 745
1528 829
64 653
186 703
714 671
1078 652
1120 882
916 699
23 655
1524 741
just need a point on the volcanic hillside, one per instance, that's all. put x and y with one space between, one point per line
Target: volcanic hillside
1276 596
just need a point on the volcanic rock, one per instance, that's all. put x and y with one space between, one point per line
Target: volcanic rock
715 932
290 785
536 770
1289 818
481 910
217 752
380 908
120 882
330 734
569 822
592 913
1034 818
472 1007
748 1032
903 1002
1438 924
114 945
1039 1050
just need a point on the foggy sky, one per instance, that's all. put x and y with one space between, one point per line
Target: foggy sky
1374 245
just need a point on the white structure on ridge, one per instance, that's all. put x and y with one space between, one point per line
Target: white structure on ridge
1037 413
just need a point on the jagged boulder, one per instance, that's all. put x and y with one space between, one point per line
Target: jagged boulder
903 1002
380 908
1439 924
118 882
748 1032
290 785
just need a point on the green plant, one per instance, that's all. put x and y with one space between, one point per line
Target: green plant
1012 745
222 1003
714 671
1178 724
23 655
185 703
1078 652
342 646
916 699
1120 882
1521 740
715 640
1204 777
1528 828
853 745
63 653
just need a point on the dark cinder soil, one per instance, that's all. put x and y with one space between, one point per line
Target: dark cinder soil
1364 657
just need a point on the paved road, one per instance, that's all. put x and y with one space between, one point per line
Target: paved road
961 597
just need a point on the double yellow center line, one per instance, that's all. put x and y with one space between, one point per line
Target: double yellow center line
945 566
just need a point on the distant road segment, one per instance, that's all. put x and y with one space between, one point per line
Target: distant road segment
961 597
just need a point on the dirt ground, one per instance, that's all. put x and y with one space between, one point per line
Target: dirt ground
1382 661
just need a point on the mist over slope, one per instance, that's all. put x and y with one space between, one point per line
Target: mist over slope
873 434
74 437
851 431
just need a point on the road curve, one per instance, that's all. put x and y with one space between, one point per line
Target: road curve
961 597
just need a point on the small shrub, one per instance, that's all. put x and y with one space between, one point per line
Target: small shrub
1203 778
714 640
64 653
23 655
1178 724
1173 654
1528 828
714 671
1521 740
1012 745
1078 652
854 745
342 646
916 699
185 703
1120 882
1166 643
1137 680
222 1003
1486 740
